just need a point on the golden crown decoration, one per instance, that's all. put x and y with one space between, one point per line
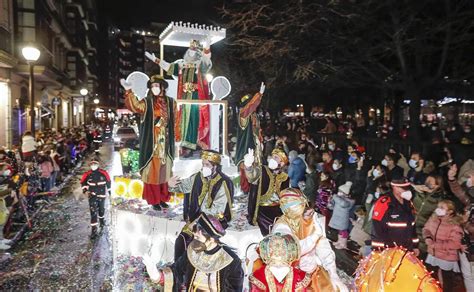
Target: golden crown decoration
211 156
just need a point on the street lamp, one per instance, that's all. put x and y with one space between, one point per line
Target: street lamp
84 91
31 55
96 100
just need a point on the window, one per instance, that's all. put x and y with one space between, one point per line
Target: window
26 4
5 14
27 26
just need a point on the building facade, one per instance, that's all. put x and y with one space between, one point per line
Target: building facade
65 32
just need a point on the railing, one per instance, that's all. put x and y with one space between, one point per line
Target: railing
374 147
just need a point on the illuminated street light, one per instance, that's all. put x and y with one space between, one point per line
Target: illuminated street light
84 91
96 100
31 55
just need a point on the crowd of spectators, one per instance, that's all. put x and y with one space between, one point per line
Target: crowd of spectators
37 166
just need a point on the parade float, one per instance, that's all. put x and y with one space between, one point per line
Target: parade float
136 228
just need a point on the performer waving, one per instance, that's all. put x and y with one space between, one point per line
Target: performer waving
156 138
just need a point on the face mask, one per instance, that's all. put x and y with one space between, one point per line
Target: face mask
206 171
469 183
423 125
376 173
156 90
279 272
94 167
352 159
272 164
335 166
377 194
413 163
467 130
385 162
371 123
7 172
308 171
407 195
331 147
434 128
320 167
440 212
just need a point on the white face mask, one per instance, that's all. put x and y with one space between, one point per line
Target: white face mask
384 162
94 167
272 164
407 195
376 173
440 212
308 171
156 90
413 163
206 171
377 194
331 147
7 172
469 183
279 272
335 166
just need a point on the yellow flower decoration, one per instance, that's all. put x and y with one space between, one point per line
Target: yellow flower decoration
135 189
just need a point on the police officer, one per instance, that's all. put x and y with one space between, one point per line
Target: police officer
96 184
97 139
393 219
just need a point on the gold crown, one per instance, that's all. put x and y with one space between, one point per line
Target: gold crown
281 154
211 156
195 44
156 79
279 249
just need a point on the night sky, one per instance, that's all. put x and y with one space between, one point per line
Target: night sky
139 13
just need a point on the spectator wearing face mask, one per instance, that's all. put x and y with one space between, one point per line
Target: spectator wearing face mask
393 170
416 174
342 205
393 219
376 176
296 169
443 234
337 173
425 200
327 161
382 188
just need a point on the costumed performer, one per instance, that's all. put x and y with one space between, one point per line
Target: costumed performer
266 184
249 135
279 252
208 191
194 120
207 265
317 257
156 139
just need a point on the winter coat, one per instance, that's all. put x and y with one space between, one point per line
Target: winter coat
296 171
465 195
323 196
311 186
341 212
338 177
28 144
425 204
445 237
358 233
416 177
46 168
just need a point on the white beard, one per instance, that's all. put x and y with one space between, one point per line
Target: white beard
196 59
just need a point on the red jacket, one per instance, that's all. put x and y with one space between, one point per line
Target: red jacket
443 237
258 281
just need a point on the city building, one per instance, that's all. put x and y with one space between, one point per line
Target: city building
65 32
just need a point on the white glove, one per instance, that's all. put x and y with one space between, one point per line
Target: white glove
151 56
125 84
249 158
338 285
262 88
151 269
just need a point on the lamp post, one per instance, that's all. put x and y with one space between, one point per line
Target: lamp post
84 92
31 54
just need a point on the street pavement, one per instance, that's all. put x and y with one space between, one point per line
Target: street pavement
57 254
